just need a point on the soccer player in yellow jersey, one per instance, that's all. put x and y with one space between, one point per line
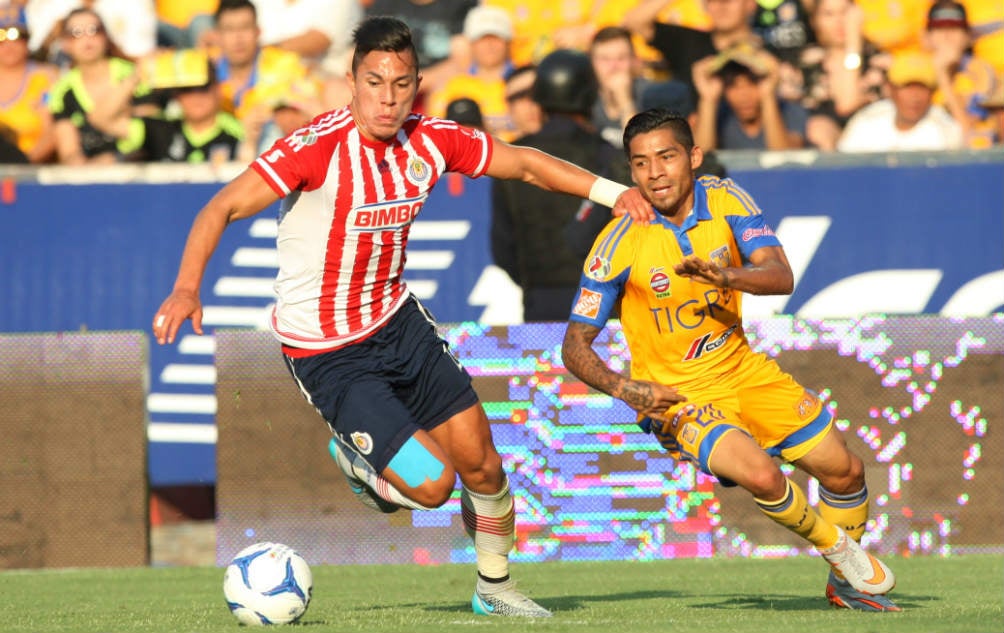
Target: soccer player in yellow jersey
695 382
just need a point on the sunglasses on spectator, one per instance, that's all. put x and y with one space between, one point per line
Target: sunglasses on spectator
12 34
90 30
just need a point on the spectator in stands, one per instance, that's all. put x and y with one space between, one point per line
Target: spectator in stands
894 26
203 133
784 26
467 112
488 31
994 104
319 31
738 106
526 243
296 108
837 75
96 70
675 96
963 80
908 120
437 29
524 112
252 77
543 26
682 47
689 13
618 73
24 86
185 23
986 25
131 24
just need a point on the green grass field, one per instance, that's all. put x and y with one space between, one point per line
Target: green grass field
954 595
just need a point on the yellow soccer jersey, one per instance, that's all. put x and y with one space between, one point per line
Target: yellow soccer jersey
681 332
275 72
490 97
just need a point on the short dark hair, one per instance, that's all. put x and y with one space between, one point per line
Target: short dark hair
234 5
655 118
610 34
382 33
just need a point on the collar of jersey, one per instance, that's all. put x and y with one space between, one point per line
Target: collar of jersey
699 212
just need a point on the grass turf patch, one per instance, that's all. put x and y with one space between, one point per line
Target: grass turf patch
939 595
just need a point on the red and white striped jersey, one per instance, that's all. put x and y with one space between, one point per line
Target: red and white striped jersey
348 205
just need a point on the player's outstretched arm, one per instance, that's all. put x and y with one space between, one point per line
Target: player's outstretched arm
768 273
648 398
512 162
244 196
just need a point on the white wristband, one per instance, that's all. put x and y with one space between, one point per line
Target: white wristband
605 192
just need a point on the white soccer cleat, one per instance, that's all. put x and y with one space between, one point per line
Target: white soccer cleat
348 462
863 571
503 599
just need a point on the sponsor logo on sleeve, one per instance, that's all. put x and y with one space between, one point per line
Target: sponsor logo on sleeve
588 305
750 234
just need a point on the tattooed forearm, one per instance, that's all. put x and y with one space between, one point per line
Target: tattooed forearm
582 360
638 395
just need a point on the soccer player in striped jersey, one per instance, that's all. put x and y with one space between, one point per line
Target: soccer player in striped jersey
363 351
695 382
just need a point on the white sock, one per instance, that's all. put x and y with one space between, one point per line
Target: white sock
490 520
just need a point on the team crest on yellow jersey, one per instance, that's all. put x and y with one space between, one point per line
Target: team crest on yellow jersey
720 257
660 283
418 172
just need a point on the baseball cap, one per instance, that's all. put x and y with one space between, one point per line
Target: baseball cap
485 20
744 54
913 68
946 14
302 94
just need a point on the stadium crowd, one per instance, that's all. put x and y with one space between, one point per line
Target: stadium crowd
106 81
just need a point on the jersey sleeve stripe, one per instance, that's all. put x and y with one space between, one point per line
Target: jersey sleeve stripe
742 196
609 243
271 177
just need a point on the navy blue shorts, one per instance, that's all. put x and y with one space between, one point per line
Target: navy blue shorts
377 393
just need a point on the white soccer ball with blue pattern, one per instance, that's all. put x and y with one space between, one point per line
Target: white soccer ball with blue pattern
267 583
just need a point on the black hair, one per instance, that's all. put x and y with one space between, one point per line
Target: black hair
234 5
655 118
733 70
382 33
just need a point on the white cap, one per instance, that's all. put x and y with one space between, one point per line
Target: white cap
484 20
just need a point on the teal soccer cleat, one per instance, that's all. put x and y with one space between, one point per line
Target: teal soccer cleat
503 599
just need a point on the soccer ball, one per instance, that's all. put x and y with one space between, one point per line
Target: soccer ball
267 583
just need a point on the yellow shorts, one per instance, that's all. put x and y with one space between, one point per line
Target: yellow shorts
759 399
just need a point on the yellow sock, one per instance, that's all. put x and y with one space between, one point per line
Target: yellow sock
793 512
849 512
